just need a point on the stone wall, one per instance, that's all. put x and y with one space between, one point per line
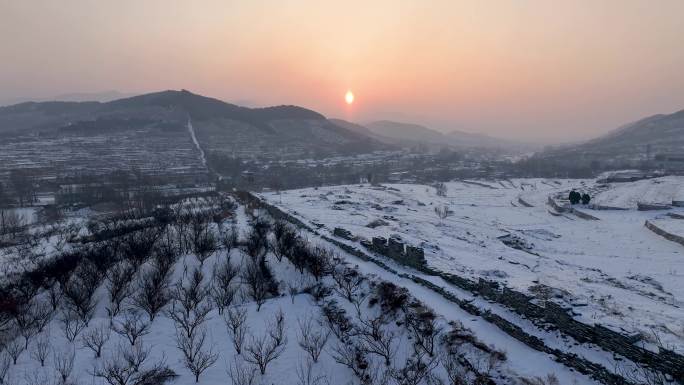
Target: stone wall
397 250
664 233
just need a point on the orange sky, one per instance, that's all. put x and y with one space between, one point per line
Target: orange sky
537 70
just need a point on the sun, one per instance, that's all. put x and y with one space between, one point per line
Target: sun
349 97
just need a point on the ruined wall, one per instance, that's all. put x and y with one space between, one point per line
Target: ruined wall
397 250
664 233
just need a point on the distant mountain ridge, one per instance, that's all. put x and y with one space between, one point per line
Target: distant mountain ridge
218 123
408 133
650 136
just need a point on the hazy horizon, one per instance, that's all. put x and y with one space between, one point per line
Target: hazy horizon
532 70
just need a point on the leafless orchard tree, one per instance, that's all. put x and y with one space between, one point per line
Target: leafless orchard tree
124 368
136 247
229 239
41 348
312 337
132 327
72 324
417 369
191 303
222 289
63 362
276 328
241 374
348 282
377 340
257 244
14 348
135 355
152 292
307 376
351 355
257 283
95 338
235 319
31 318
55 295
261 351
197 357
318 262
293 290
422 324
202 237
284 239
5 364
119 278
80 289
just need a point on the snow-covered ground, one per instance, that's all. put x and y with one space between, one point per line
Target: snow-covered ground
288 368
626 195
613 271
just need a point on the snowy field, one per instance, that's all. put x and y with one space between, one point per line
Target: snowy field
626 195
613 271
61 344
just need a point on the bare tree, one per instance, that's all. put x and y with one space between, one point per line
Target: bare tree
241 374
95 338
118 285
55 294
352 356
41 348
318 262
416 370
25 319
135 355
256 281
5 364
132 327
222 290
115 371
80 289
229 239
284 239
191 303
276 328
197 357
312 337
306 375
124 368
349 283
262 351
152 293
377 340
422 324
72 324
63 362
14 348
235 322
137 246
202 237
257 240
